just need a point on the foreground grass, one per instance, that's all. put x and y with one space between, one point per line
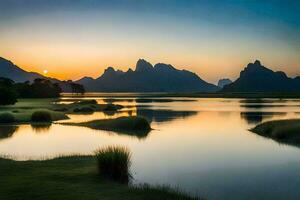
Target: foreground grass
67 178
132 125
284 131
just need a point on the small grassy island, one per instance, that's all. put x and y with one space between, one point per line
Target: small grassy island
132 125
283 131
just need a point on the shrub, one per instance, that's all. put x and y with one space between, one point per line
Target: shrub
110 107
114 162
7 118
85 102
41 116
85 109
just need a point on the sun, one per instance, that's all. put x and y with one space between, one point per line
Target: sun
45 71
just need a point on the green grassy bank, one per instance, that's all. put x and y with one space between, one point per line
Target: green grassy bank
73 177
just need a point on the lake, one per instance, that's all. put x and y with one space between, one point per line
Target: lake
199 145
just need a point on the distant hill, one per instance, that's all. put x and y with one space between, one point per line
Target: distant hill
223 82
9 70
15 73
257 78
148 78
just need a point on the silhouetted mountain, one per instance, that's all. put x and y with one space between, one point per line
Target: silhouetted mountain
15 73
223 82
257 78
146 78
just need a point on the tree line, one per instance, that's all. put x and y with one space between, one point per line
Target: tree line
39 88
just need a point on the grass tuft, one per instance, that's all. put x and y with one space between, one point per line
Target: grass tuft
41 116
114 162
7 118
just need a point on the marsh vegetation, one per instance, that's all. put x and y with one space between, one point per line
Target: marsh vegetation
131 125
283 131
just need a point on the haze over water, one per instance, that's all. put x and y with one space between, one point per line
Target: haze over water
199 145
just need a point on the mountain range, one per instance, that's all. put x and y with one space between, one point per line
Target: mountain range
147 78
258 78
165 78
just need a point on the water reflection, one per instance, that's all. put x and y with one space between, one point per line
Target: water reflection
147 100
160 115
203 147
161 100
112 100
141 135
110 113
261 106
267 103
41 127
7 131
258 117
262 101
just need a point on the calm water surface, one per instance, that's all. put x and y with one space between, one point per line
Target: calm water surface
201 146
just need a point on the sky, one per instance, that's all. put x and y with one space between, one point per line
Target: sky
70 39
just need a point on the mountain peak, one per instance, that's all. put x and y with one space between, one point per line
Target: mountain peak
258 78
257 63
146 78
162 66
223 82
108 72
142 66
109 69
254 69
129 70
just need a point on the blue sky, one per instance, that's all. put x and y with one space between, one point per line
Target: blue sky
213 38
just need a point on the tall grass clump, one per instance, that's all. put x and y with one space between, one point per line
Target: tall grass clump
41 116
113 162
7 118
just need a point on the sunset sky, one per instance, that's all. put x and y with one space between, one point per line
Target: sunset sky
216 39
